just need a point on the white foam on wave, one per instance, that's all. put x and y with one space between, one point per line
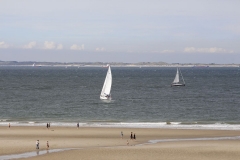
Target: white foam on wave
167 125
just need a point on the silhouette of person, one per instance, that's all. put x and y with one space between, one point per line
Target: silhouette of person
37 144
47 145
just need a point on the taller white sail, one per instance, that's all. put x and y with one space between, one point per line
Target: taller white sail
176 80
105 94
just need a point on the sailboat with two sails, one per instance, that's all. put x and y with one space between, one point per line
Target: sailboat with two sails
176 81
105 93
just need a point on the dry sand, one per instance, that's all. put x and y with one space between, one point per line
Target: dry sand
106 143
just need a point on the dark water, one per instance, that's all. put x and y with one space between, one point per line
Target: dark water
35 95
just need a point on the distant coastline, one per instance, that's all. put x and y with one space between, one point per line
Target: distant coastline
114 64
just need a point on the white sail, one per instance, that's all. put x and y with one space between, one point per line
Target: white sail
105 94
176 80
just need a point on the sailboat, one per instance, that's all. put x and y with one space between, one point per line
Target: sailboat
176 81
105 94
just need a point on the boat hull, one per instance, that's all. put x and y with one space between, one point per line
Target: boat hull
178 84
105 98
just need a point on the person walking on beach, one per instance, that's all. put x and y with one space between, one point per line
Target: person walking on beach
47 125
122 134
37 144
131 136
9 125
134 136
77 125
47 145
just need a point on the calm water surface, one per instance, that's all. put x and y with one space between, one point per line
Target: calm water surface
141 97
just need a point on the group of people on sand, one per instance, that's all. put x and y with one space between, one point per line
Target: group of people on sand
48 125
37 144
132 137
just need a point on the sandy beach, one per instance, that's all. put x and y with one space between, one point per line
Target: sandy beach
107 143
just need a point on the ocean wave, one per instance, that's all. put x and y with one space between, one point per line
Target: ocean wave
166 125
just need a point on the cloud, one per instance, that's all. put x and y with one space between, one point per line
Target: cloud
76 47
233 28
30 45
167 51
59 47
4 45
49 45
163 51
100 49
52 45
33 44
207 50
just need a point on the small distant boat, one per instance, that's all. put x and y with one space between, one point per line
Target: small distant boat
105 93
176 81
34 65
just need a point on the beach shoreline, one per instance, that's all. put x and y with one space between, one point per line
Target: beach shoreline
102 124
99 140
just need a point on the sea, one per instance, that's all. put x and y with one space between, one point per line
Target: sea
141 97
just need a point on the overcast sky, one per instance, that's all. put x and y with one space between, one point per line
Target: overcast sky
184 31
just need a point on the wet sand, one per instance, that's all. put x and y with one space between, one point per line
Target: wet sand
106 143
